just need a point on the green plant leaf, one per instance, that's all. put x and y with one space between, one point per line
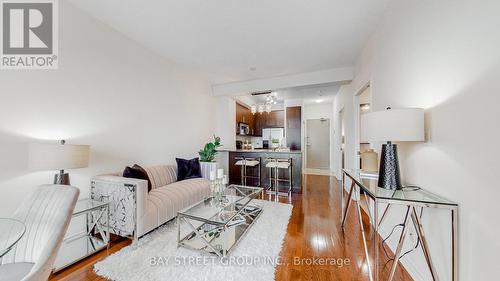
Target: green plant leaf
207 154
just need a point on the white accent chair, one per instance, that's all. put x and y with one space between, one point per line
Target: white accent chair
46 214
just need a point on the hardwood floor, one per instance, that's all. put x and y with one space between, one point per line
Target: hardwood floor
314 231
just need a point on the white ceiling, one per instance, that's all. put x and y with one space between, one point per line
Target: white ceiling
311 94
225 38
306 94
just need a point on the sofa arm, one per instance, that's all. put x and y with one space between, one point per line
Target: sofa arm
127 199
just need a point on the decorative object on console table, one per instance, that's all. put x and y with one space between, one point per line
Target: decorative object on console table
46 157
392 125
207 157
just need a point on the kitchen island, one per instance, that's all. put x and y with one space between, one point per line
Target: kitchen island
263 155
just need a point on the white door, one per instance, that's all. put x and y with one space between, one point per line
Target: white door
318 144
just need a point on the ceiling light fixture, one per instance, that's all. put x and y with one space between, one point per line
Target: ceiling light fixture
319 101
253 108
267 106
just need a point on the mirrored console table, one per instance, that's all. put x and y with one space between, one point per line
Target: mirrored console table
412 199
95 238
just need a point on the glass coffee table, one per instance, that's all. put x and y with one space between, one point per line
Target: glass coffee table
216 225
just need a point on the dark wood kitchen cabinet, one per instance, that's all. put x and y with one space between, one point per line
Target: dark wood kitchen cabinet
294 127
274 119
258 121
244 115
235 171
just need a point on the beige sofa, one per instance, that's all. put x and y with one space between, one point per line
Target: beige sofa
134 211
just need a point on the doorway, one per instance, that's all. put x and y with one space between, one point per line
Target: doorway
364 101
318 144
342 141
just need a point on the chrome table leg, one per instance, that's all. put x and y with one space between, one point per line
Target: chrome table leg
400 245
342 187
425 245
178 231
369 209
384 215
276 184
365 244
454 243
375 237
348 204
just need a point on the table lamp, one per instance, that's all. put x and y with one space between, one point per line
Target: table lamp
392 125
45 157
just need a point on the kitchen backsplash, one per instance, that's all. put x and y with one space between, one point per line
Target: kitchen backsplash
256 141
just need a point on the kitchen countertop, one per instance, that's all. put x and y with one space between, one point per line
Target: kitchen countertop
259 150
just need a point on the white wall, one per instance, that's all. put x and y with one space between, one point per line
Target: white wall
225 125
225 115
317 111
344 101
129 104
444 56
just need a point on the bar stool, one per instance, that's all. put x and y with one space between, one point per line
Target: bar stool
244 162
276 164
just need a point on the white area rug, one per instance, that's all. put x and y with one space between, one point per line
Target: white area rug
156 256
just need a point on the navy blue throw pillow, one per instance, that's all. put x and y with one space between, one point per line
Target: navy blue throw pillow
137 172
188 169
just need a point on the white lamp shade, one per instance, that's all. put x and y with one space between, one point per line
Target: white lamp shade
393 125
58 157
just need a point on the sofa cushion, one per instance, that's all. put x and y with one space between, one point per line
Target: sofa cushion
161 175
188 169
167 200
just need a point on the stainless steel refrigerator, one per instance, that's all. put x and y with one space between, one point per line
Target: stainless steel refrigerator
268 134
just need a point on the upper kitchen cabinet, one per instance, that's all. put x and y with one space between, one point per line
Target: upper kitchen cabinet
274 119
244 115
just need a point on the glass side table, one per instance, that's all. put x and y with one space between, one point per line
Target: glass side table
90 241
11 231
414 200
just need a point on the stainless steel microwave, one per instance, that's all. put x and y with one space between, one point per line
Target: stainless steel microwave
243 129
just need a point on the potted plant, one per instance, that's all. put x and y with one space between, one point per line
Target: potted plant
275 143
207 157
